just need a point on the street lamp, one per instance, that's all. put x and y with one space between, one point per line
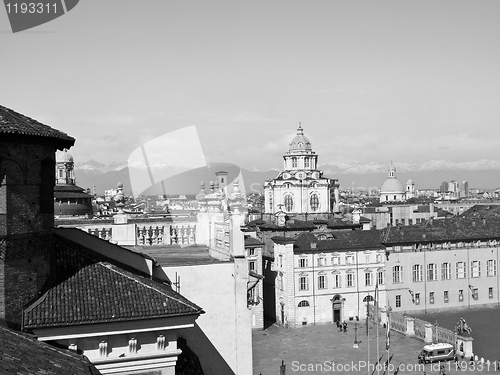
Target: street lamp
356 343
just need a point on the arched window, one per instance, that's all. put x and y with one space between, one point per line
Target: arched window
369 298
314 202
303 304
306 163
294 162
288 202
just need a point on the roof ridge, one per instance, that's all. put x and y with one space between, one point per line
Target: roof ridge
117 269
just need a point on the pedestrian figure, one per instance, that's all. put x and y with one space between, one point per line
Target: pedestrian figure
282 367
345 326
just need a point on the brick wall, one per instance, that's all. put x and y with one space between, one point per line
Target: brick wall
27 176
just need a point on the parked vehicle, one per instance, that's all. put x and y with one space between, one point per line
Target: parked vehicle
436 353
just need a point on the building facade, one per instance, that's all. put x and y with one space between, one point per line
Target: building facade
324 281
448 264
300 189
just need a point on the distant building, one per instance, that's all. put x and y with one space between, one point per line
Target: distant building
400 214
392 190
69 199
300 190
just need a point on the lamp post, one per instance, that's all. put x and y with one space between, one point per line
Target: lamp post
356 344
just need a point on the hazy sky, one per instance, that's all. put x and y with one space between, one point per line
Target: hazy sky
369 80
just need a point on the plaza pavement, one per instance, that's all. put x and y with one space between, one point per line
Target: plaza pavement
312 349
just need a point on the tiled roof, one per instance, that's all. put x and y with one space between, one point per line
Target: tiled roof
252 242
480 211
343 241
444 230
102 292
23 355
15 123
290 224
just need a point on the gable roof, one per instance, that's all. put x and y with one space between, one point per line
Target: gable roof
102 292
13 123
24 355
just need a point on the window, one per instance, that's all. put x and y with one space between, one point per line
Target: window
280 261
460 295
349 259
303 284
431 272
475 268
294 162
461 274
398 300
417 298
314 202
306 163
303 304
446 271
475 294
303 262
491 267
251 265
321 261
380 277
368 279
490 293
251 252
271 201
322 282
417 272
367 258
350 279
445 296
335 260
397 274
280 281
288 202
431 298
336 281
379 258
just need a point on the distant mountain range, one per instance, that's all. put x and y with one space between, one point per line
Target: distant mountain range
483 174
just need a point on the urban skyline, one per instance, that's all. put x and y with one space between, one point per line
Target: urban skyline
370 82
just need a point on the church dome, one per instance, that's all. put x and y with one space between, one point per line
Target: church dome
63 157
300 142
392 185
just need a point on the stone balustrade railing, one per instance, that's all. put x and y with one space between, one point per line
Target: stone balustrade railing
154 235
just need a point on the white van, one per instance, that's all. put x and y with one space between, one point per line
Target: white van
436 352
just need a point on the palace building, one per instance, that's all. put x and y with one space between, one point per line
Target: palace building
300 190
445 264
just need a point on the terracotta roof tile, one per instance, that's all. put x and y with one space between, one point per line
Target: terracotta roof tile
23 355
444 230
252 242
102 292
343 241
15 123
